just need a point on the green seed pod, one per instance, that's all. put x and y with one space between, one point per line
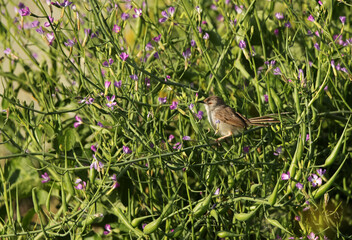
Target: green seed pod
68 184
224 234
63 199
246 216
322 189
202 206
152 226
92 176
330 160
135 222
34 200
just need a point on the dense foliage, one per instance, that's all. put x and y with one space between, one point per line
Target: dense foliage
102 134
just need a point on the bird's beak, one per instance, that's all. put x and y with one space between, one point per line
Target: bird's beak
201 101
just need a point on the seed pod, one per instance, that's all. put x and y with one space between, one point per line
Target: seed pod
330 160
34 200
202 206
322 189
246 216
224 234
152 226
135 222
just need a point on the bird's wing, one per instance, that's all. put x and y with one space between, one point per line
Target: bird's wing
228 115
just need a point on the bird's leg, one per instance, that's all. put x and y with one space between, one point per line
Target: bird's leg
220 138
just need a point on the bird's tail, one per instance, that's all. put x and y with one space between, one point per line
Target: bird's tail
265 121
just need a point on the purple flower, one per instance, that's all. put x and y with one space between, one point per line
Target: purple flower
299 186
111 102
171 137
173 105
51 20
35 24
80 185
298 218
217 191
307 137
171 11
279 16
45 177
186 138
93 148
114 179
40 30
332 63
157 38
100 124
200 115
123 56
7 51
187 54
177 145
126 149
193 43
24 11
266 98
147 82
246 149
107 229
315 180
311 18
288 24
162 100
285 176
312 236
239 9
107 84
277 71
191 106
149 46
206 36
276 31
50 37
278 151
97 165
316 45
69 43
321 171
79 122
65 3
125 16
118 83
116 28
164 18
134 77
156 55
342 19
242 44
138 12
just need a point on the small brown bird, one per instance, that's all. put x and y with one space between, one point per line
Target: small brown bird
227 121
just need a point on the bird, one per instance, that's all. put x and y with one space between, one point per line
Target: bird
226 121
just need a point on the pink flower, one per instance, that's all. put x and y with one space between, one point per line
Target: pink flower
79 122
311 18
285 176
116 28
24 11
107 229
299 186
81 185
111 102
312 236
124 56
45 177
173 105
93 148
315 180
138 12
